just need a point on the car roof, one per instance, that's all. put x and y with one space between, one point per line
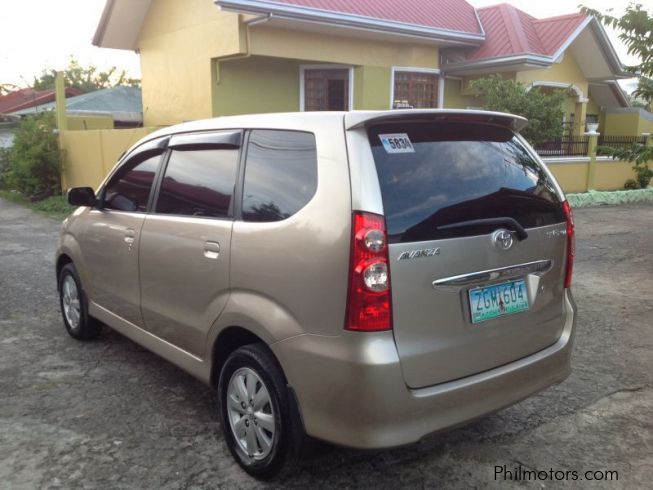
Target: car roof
311 121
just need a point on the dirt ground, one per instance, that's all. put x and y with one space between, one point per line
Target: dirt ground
108 414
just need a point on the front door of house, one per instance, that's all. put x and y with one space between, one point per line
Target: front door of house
326 89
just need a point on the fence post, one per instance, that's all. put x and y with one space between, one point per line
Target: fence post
592 142
648 143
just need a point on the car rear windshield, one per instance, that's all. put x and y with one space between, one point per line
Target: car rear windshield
445 173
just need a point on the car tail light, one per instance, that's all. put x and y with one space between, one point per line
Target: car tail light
368 300
571 246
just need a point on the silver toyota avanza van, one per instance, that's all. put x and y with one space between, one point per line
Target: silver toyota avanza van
364 278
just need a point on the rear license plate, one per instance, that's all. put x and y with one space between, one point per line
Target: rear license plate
498 300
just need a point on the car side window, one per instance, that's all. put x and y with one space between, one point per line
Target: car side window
199 182
280 174
129 189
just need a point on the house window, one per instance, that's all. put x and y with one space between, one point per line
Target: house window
326 89
415 90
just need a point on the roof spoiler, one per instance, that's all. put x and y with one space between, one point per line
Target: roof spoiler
361 119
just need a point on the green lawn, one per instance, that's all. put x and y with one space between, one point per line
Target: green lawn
56 207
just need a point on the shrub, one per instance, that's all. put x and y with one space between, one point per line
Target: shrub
639 155
5 168
644 174
34 158
631 184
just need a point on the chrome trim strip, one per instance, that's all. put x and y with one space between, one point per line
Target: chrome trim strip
538 267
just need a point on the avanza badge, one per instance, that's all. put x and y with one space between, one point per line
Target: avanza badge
396 143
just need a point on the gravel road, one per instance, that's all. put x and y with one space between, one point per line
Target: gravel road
108 414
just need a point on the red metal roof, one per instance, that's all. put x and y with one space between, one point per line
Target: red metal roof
452 15
27 97
510 31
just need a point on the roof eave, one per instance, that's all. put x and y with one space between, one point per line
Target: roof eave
104 22
497 62
337 19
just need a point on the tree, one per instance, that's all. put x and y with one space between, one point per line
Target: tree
644 91
6 88
636 27
34 159
543 109
86 78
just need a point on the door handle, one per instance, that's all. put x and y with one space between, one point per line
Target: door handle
130 237
211 250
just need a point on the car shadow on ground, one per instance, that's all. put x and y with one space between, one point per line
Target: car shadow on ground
320 461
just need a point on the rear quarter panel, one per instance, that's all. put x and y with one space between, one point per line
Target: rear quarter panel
291 275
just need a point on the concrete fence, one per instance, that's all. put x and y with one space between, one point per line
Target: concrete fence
573 174
88 156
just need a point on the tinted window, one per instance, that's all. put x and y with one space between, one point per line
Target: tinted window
459 172
280 174
130 189
199 183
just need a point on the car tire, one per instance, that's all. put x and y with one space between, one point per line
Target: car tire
260 430
74 306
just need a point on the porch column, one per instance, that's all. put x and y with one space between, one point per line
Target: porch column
580 115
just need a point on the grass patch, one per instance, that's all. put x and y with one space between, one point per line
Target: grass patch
56 207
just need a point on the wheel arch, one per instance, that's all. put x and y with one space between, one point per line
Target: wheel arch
227 341
62 260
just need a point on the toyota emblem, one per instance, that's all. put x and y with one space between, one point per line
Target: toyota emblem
502 239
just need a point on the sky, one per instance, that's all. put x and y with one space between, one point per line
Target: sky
38 34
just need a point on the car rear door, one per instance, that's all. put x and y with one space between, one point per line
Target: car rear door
477 246
186 240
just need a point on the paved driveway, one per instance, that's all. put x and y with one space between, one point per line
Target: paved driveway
108 414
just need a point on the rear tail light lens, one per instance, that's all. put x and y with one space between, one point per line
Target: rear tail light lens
368 301
571 245
375 277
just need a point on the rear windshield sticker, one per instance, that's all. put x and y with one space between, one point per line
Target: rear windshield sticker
396 143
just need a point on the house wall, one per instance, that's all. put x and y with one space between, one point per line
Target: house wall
266 78
332 48
565 71
255 85
372 87
454 97
626 123
177 42
459 95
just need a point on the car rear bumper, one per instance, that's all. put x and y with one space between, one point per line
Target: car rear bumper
351 390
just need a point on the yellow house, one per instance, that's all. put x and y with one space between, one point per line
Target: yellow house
202 59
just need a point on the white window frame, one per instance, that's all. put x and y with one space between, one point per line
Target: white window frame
415 69
326 66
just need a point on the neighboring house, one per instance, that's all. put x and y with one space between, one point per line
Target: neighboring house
201 59
28 97
21 99
120 107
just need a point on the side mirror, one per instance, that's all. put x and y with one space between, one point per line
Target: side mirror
81 196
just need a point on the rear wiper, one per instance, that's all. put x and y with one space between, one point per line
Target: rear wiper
519 230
